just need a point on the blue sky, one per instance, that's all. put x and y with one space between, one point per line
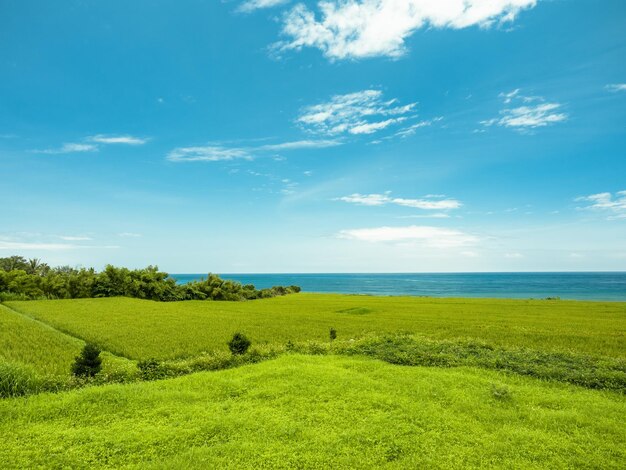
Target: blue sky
338 136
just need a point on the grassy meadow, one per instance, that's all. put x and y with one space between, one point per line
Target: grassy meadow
508 383
319 412
140 329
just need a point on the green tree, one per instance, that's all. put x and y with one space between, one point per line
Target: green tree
88 363
239 344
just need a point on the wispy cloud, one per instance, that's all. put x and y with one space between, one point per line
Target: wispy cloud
300 144
426 203
129 235
527 116
71 147
362 112
352 29
615 87
117 139
436 215
216 153
44 246
252 5
27 246
74 238
93 144
435 237
209 153
612 204
412 129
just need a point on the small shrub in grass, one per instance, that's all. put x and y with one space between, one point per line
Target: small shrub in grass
333 334
501 392
239 344
151 369
88 363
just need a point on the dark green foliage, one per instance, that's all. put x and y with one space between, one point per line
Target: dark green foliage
333 334
239 344
22 279
501 392
356 310
582 370
152 369
88 363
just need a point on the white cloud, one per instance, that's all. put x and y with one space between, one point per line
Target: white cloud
74 238
129 235
368 28
430 202
215 153
527 116
513 255
437 215
117 139
252 5
43 246
300 144
210 153
92 143
362 112
614 87
434 237
70 148
613 205
6 245
410 130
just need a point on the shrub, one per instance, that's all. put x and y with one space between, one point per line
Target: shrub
88 363
500 392
333 334
239 344
151 369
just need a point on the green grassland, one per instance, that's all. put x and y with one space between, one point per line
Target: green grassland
140 329
319 412
39 357
498 390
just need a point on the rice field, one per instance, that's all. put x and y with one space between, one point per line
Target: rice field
37 354
140 329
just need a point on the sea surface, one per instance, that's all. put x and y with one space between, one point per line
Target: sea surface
571 285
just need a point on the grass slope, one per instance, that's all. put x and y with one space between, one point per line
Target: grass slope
27 341
35 356
140 329
319 412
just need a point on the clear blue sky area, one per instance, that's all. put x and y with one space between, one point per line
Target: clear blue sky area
337 136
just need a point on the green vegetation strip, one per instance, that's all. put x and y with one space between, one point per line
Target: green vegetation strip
140 329
319 412
35 357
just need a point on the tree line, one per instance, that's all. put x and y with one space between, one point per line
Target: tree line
28 279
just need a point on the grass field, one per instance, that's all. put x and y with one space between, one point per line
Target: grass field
310 403
319 412
140 329
39 356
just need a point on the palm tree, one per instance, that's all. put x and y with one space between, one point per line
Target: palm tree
35 266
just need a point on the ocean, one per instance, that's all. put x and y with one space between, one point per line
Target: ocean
570 285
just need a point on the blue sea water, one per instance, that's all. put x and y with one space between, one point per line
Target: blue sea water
570 285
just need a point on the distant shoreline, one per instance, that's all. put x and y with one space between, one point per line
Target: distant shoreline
600 286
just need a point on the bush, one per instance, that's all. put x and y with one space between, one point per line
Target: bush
500 392
151 369
88 363
333 334
239 344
